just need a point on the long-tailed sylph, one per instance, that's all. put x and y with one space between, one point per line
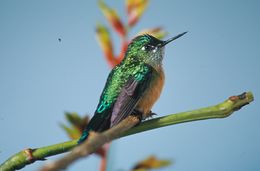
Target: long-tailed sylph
133 86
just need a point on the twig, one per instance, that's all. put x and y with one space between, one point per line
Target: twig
95 141
221 110
104 156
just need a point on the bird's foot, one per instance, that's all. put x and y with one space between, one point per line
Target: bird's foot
151 114
138 114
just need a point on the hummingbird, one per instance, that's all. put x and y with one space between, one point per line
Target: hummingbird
133 86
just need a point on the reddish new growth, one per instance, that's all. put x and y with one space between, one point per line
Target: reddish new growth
134 10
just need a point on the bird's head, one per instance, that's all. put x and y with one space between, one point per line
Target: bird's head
148 49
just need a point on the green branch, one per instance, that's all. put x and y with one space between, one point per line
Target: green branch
221 110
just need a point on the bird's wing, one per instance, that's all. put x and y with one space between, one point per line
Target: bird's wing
130 94
101 119
120 104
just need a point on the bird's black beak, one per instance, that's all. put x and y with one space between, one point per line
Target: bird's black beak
171 39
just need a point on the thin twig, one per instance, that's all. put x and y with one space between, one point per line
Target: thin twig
95 141
221 110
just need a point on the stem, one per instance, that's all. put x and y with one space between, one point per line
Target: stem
93 143
104 156
28 156
221 110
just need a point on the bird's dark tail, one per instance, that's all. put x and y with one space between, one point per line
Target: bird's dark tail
97 123
84 136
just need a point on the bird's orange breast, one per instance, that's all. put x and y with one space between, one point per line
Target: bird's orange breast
152 93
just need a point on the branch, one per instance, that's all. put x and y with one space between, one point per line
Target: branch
96 140
221 110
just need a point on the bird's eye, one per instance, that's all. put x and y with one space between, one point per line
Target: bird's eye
147 47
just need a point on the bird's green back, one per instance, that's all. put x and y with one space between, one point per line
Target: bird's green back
116 81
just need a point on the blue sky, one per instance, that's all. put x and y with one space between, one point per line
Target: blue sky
219 57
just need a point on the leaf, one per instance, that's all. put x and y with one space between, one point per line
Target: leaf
77 124
73 132
157 32
135 9
151 163
105 43
76 121
113 18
